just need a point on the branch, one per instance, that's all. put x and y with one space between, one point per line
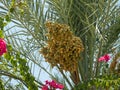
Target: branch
2 72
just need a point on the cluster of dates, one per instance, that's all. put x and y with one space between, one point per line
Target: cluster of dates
63 48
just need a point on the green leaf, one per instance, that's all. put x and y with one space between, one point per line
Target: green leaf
12 9
7 18
7 56
1 23
107 84
1 34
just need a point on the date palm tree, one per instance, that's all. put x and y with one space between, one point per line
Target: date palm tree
95 22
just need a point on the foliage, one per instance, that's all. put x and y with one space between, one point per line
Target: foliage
101 82
17 64
20 67
1 85
95 22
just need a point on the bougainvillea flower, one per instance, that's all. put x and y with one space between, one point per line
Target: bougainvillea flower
3 48
52 84
105 58
45 87
47 82
60 86
101 59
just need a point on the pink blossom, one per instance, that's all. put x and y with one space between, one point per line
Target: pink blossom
47 82
53 84
101 59
60 86
3 48
45 87
105 58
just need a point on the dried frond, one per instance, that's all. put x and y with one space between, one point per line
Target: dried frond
114 62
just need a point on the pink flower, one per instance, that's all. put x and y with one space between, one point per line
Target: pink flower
105 58
101 59
45 87
60 86
53 84
47 82
3 48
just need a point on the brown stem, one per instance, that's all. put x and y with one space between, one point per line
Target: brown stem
75 77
